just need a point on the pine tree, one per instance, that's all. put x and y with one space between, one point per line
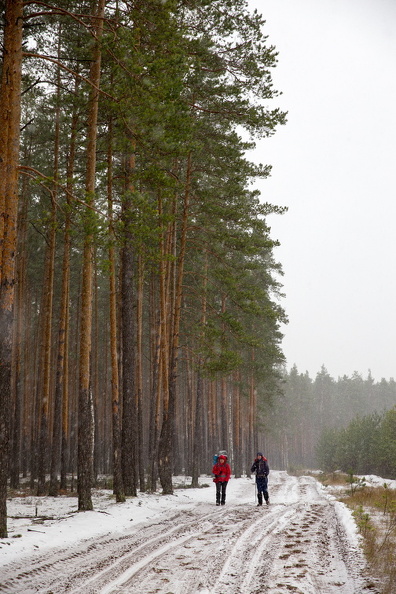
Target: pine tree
10 112
85 408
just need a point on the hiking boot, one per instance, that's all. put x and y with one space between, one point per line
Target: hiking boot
267 501
259 504
217 503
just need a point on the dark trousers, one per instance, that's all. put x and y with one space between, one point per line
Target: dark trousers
262 489
221 492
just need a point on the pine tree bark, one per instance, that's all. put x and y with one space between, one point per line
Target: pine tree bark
62 376
223 414
60 430
253 434
165 441
96 400
251 450
167 431
237 426
57 406
212 418
129 412
28 392
198 425
160 368
223 398
197 431
85 420
10 114
118 487
139 370
19 361
156 375
45 358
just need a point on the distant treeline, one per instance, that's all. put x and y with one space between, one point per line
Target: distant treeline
310 409
366 446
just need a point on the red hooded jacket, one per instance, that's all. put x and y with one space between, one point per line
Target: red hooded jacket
222 471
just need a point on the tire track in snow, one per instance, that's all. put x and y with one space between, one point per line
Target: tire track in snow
252 538
147 553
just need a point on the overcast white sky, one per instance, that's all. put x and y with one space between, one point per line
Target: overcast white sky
334 167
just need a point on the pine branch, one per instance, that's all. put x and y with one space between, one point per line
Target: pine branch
73 72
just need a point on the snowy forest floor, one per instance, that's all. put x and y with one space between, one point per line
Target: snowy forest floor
305 542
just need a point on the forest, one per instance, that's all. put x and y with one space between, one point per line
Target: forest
366 446
345 424
140 299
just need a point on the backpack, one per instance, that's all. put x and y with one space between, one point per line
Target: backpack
216 456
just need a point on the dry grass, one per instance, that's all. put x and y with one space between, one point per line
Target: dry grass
374 509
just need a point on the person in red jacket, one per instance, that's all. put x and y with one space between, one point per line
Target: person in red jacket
222 472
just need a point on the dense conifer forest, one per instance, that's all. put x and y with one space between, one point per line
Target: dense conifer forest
140 302
346 423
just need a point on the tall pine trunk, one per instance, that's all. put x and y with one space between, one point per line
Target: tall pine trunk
197 431
155 400
223 398
139 370
160 384
85 420
57 415
61 409
10 115
253 437
237 425
118 487
19 360
45 357
128 325
198 425
62 374
167 432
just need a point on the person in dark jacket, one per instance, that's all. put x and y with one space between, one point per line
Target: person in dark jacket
222 472
261 468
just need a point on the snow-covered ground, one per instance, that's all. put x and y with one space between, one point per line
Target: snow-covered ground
375 481
305 542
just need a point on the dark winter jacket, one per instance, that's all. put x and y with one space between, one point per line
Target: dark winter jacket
222 472
260 467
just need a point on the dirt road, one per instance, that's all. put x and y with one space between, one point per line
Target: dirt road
297 544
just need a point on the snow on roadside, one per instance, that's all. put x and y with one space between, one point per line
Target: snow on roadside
375 481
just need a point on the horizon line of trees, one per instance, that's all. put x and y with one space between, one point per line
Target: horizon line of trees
139 296
309 408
